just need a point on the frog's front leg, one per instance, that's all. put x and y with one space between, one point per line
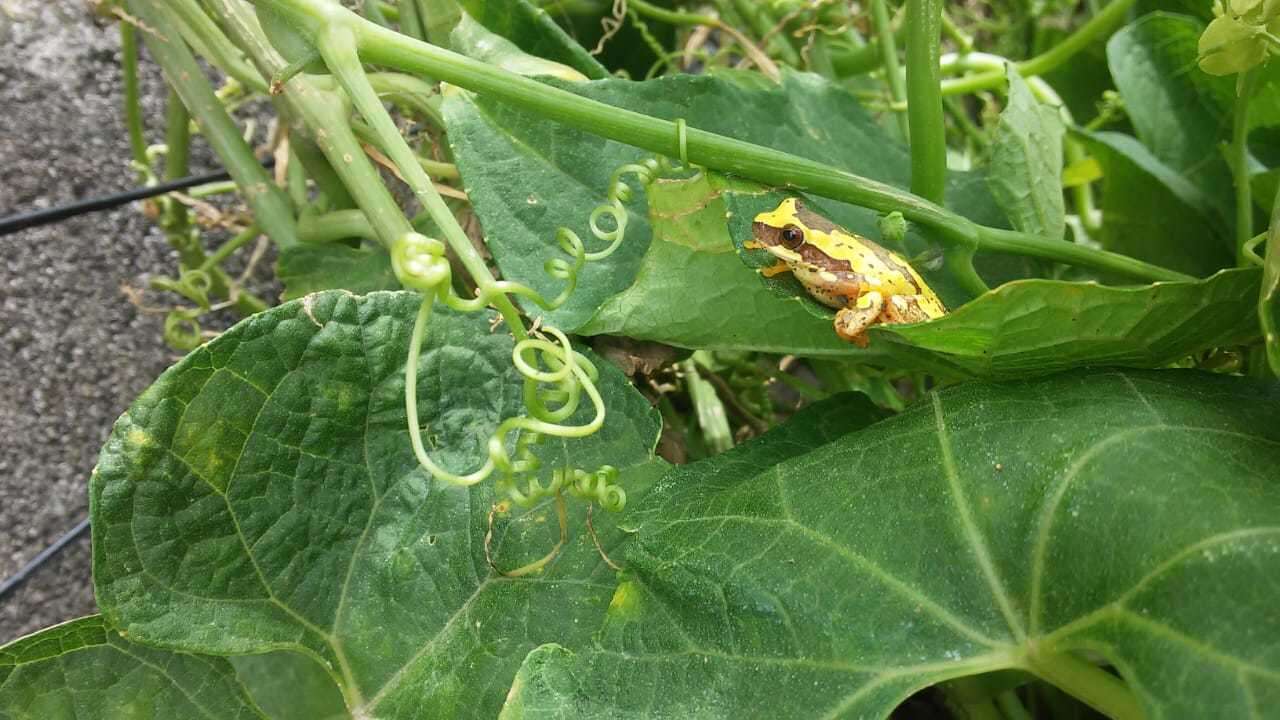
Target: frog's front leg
777 268
851 322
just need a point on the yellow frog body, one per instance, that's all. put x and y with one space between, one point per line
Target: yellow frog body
866 283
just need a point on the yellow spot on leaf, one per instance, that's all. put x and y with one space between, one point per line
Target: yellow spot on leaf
625 599
138 437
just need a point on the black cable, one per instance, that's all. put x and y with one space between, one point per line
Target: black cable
22 221
16 580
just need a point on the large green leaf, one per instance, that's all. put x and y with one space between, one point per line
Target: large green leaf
262 495
1026 162
1152 213
527 177
82 669
1033 327
1129 517
1178 111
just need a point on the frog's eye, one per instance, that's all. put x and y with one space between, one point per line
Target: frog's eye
792 237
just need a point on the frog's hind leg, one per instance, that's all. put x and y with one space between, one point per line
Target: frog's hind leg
851 322
904 309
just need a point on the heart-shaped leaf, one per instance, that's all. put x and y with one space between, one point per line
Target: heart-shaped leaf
263 495
1127 517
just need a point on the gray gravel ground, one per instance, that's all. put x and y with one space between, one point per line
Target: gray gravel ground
73 351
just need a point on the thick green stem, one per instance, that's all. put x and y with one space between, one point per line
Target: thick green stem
326 114
717 152
132 98
177 219
437 170
1239 150
959 262
336 225
1092 685
889 58
241 26
924 100
208 40
338 47
177 139
410 92
1012 241
1011 707
270 205
1098 27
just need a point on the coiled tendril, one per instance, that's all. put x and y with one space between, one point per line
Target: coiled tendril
555 375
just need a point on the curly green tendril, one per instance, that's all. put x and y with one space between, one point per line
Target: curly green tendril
556 377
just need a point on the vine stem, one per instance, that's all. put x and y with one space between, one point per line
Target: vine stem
132 103
381 46
1094 686
338 47
270 205
209 42
1100 25
177 164
889 58
1240 164
924 100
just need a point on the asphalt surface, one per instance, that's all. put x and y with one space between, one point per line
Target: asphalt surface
74 351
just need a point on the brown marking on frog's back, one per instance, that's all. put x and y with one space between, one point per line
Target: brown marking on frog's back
893 261
815 257
818 222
